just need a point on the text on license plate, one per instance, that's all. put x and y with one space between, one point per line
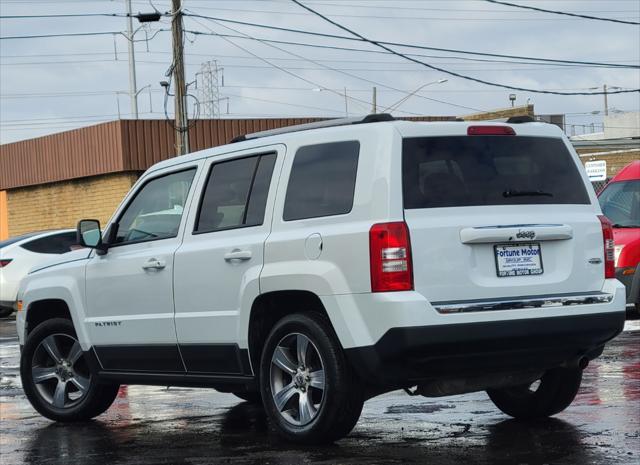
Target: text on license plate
518 259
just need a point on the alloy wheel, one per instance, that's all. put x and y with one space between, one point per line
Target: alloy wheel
297 379
59 371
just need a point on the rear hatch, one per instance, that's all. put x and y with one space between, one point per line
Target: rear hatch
498 215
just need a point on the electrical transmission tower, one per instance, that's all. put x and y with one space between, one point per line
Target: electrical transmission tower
208 82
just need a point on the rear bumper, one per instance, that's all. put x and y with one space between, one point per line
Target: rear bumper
408 356
397 338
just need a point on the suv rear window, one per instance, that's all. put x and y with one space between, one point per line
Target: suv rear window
322 180
461 171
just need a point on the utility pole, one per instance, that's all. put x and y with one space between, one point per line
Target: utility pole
181 122
606 103
133 91
375 98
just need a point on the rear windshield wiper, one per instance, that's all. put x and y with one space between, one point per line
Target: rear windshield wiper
517 193
616 225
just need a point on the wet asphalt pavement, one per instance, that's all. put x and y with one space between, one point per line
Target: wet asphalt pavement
153 425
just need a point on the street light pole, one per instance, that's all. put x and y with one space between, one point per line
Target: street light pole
395 106
346 104
132 63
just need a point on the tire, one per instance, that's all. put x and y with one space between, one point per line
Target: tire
67 391
5 312
555 392
252 397
328 412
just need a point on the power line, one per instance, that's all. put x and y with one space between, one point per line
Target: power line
466 52
246 66
564 13
284 70
67 94
442 70
356 76
74 15
470 10
73 34
397 44
78 34
381 52
418 18
452 57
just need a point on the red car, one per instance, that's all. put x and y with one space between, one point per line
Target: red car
620 202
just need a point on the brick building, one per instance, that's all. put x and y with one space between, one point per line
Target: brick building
52 181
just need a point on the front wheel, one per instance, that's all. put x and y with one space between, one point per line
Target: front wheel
56 377
551 394
310 391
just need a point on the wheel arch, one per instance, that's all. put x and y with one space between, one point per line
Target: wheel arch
267 309
42 310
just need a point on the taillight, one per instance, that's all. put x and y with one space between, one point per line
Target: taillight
609 247
5 261
490 131
390 257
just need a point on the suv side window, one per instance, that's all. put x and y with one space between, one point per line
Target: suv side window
156 210
53 244
322 180
235 195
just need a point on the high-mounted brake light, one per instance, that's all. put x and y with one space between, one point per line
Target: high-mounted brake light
609 247
490 131
390 257
5 261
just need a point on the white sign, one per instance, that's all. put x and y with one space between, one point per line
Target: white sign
596 170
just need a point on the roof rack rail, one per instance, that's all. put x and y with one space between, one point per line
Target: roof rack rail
521 119
372 118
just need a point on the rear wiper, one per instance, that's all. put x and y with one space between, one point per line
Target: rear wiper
516 193
616 225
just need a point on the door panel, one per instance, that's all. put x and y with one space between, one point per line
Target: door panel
217 267
129 290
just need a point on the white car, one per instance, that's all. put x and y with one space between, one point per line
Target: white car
19 254
314 267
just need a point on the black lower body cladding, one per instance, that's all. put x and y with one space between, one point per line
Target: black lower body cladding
407 356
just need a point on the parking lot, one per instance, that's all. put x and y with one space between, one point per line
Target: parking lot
153 425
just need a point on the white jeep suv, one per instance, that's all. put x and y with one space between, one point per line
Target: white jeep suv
314 267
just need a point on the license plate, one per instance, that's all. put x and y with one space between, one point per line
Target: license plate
518 259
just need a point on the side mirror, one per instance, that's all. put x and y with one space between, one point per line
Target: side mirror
89 234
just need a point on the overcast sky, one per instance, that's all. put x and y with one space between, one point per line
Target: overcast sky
53 84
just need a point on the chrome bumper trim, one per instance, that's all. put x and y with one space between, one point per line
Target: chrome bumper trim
534 302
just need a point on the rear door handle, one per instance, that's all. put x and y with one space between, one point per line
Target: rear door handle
154 264
237 255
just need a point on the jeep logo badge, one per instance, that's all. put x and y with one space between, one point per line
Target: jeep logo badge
526 234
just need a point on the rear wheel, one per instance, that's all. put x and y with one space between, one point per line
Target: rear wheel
553 393
310 391
57 378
